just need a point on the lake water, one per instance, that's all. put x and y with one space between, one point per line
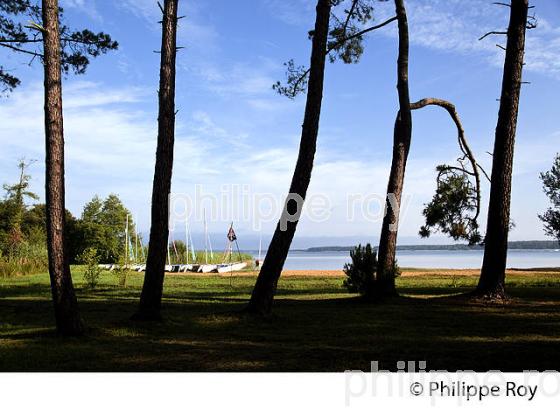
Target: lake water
517 258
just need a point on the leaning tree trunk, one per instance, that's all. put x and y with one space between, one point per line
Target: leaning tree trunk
67 316
401 147
150 299
492 277
265 287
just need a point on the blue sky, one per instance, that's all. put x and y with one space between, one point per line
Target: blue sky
233 129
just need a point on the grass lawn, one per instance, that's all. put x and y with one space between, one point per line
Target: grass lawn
317 326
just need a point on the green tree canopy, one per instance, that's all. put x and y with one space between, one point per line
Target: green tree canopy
20 32
13 207
349 19
103 226
551 187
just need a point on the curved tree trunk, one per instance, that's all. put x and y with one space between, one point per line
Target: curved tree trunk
492 278
462 142
265 287
401 146
150 299
68 320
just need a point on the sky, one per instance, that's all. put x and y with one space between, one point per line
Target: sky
235 133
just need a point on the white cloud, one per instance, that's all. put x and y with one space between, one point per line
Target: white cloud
87 7
239 78
455 26
111 142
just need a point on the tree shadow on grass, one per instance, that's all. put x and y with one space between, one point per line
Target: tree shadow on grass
201 333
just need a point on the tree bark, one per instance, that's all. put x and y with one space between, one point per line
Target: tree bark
68 321
401 147
492 277
152 290
265 287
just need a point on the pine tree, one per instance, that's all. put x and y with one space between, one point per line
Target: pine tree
20 32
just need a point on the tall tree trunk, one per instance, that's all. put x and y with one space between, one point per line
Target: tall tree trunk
401 147
150 299
67 316
265 287
492 278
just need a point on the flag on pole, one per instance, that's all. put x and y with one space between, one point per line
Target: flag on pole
231 234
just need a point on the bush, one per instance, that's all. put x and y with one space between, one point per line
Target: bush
90 259
25 259
361 271
121 272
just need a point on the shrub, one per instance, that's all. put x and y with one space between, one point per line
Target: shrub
25 259
90 259
361 271
121 272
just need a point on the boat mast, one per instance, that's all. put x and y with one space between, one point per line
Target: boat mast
142 249
187 240
168 252
126 242
260 245
175 250
205 239
136 239
193 254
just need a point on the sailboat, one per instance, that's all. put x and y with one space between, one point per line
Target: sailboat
131 254
168 267
207 267
140 267
189 267
231 266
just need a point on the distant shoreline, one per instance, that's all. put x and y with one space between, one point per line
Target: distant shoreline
514 245
522 245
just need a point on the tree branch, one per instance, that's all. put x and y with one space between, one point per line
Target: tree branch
350 13
21 50
338 44
361 33
484 172
12 40
67 39
463 144
450 167
490 33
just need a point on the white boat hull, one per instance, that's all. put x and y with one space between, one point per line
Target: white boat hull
207 268
188 267
231 267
